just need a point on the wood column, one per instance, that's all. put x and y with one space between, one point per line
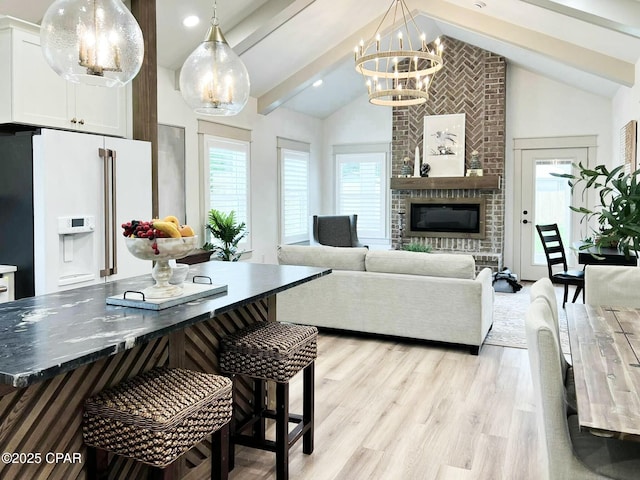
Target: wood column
145 90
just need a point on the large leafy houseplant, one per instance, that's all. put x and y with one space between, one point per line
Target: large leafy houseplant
618 212
228 233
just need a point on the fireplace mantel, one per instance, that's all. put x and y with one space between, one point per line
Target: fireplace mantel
489 182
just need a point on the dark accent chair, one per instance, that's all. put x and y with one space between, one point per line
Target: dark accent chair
336 230
554 251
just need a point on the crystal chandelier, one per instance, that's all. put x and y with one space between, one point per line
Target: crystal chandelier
97 42
213 79
397 74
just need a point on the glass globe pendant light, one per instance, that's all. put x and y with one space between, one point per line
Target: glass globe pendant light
97 42
213 79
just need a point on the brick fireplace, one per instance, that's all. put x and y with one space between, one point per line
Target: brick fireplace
472 82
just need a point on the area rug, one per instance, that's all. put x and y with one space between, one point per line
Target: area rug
509 310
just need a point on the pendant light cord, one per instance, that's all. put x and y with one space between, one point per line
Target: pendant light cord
214 20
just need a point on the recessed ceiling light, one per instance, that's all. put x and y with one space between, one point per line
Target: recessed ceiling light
191 21
317 83
480 4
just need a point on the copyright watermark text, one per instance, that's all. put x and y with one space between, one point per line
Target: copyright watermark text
40 457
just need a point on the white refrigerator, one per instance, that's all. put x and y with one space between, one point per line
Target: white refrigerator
81 188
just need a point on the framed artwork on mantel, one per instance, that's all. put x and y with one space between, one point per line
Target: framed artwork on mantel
444 144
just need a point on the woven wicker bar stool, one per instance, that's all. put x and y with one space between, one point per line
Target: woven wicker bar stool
273 351
157 416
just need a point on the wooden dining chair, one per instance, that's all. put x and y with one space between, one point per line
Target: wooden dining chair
554 251
572 453
612 285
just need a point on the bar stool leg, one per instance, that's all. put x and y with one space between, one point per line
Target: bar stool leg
308 407
232 427
259 393
166 473
219 454
282 431
97 464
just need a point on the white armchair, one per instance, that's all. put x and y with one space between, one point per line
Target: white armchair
612 285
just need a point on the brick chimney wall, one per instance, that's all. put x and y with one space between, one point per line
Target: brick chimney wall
472 82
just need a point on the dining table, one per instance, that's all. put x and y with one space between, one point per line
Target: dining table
605 354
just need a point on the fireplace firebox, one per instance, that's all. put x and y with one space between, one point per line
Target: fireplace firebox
446 217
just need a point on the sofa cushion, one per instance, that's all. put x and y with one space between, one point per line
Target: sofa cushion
338 258
418 263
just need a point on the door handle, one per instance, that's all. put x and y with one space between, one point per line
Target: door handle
110 232
105 154
525 221
114 228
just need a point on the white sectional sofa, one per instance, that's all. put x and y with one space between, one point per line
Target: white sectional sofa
425 296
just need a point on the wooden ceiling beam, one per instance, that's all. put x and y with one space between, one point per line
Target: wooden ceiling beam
621 16
576 56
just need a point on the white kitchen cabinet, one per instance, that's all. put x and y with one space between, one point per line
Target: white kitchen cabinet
7 283
32 93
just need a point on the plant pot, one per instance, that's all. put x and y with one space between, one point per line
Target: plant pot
605 242
197 256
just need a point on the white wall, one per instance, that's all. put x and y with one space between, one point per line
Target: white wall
356 122
540 107
172 110
625 108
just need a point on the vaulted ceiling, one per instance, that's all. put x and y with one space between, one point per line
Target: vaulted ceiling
288 44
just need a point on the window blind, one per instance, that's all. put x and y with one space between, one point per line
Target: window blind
227 162
294 182
361 184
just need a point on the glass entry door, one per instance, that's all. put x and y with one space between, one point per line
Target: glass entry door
545 200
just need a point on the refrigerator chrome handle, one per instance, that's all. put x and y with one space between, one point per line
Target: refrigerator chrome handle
114 226
104 154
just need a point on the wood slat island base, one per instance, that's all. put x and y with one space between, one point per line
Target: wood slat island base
45 418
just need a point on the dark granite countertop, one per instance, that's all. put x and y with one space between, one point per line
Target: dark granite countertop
43 336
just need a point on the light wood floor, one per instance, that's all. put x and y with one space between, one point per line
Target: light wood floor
388 410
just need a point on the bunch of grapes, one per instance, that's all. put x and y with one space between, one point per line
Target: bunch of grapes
142 229
139 229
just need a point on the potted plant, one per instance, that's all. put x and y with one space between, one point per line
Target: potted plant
618 212
417 247
224 228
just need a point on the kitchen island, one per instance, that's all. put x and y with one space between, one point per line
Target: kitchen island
58 349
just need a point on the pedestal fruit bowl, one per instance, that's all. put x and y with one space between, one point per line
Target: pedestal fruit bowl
169 249
151 241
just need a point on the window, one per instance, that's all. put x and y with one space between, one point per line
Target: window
227 179
362 187
294 191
